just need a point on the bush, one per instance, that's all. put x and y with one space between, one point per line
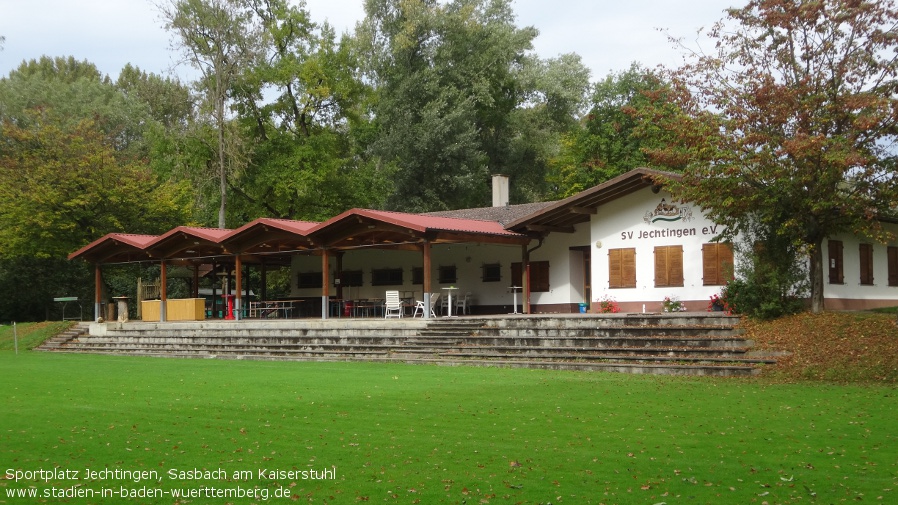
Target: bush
761 300
766 290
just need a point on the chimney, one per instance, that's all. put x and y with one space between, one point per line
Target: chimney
500 190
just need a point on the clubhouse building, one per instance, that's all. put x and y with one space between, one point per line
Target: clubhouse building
625 240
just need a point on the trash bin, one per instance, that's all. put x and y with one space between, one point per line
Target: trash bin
583 307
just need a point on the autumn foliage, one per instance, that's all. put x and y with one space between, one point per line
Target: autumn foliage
830 346
790 122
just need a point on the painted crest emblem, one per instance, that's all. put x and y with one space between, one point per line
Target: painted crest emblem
668 212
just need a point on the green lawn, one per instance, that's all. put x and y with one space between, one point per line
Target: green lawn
29 335
422 434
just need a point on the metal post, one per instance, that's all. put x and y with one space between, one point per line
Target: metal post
15 336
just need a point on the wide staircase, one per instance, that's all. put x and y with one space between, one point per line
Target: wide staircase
681 344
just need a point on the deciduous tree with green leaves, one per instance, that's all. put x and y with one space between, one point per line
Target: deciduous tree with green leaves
64 187
459 98
299 104
219 39
611 138
792 122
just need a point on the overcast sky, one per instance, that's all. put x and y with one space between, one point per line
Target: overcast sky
608 35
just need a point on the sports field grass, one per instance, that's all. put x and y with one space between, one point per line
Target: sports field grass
377 433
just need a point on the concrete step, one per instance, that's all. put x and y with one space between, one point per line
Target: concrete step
696 344
59 341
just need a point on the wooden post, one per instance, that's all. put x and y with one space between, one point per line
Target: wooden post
163 290
525 277
238 269
263 289
339 276
427 286
98 292
196 281
325 284
214 313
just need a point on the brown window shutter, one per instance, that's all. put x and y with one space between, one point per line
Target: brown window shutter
675 265
517 278
717 264
614 268
628 268
661 279
727 267
892 256
622 268
539 276
710 263
866 252
835 262
669 266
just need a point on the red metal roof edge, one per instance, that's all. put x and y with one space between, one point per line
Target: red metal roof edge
421 223
289 225
135 240
214 235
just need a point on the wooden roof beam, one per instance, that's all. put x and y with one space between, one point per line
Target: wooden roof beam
542 228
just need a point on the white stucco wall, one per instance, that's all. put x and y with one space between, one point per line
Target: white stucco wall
622 224
852 294
566 276
467 258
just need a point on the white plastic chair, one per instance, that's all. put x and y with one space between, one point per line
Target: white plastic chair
392 305
419 305
461 304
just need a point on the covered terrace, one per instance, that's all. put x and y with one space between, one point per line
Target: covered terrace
269 242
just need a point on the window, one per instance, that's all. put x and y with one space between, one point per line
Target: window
717 264
492 272
669 266
835 262
622 268
351 278
892 257
866 252
308 280
386 277
418 275
447 275
539 276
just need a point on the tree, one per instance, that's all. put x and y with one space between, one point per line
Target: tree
217 37
553 95
63 187
298 105
75 90
793 122
611 138
457 95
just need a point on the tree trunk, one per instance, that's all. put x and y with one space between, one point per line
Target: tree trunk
222 173
816 272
